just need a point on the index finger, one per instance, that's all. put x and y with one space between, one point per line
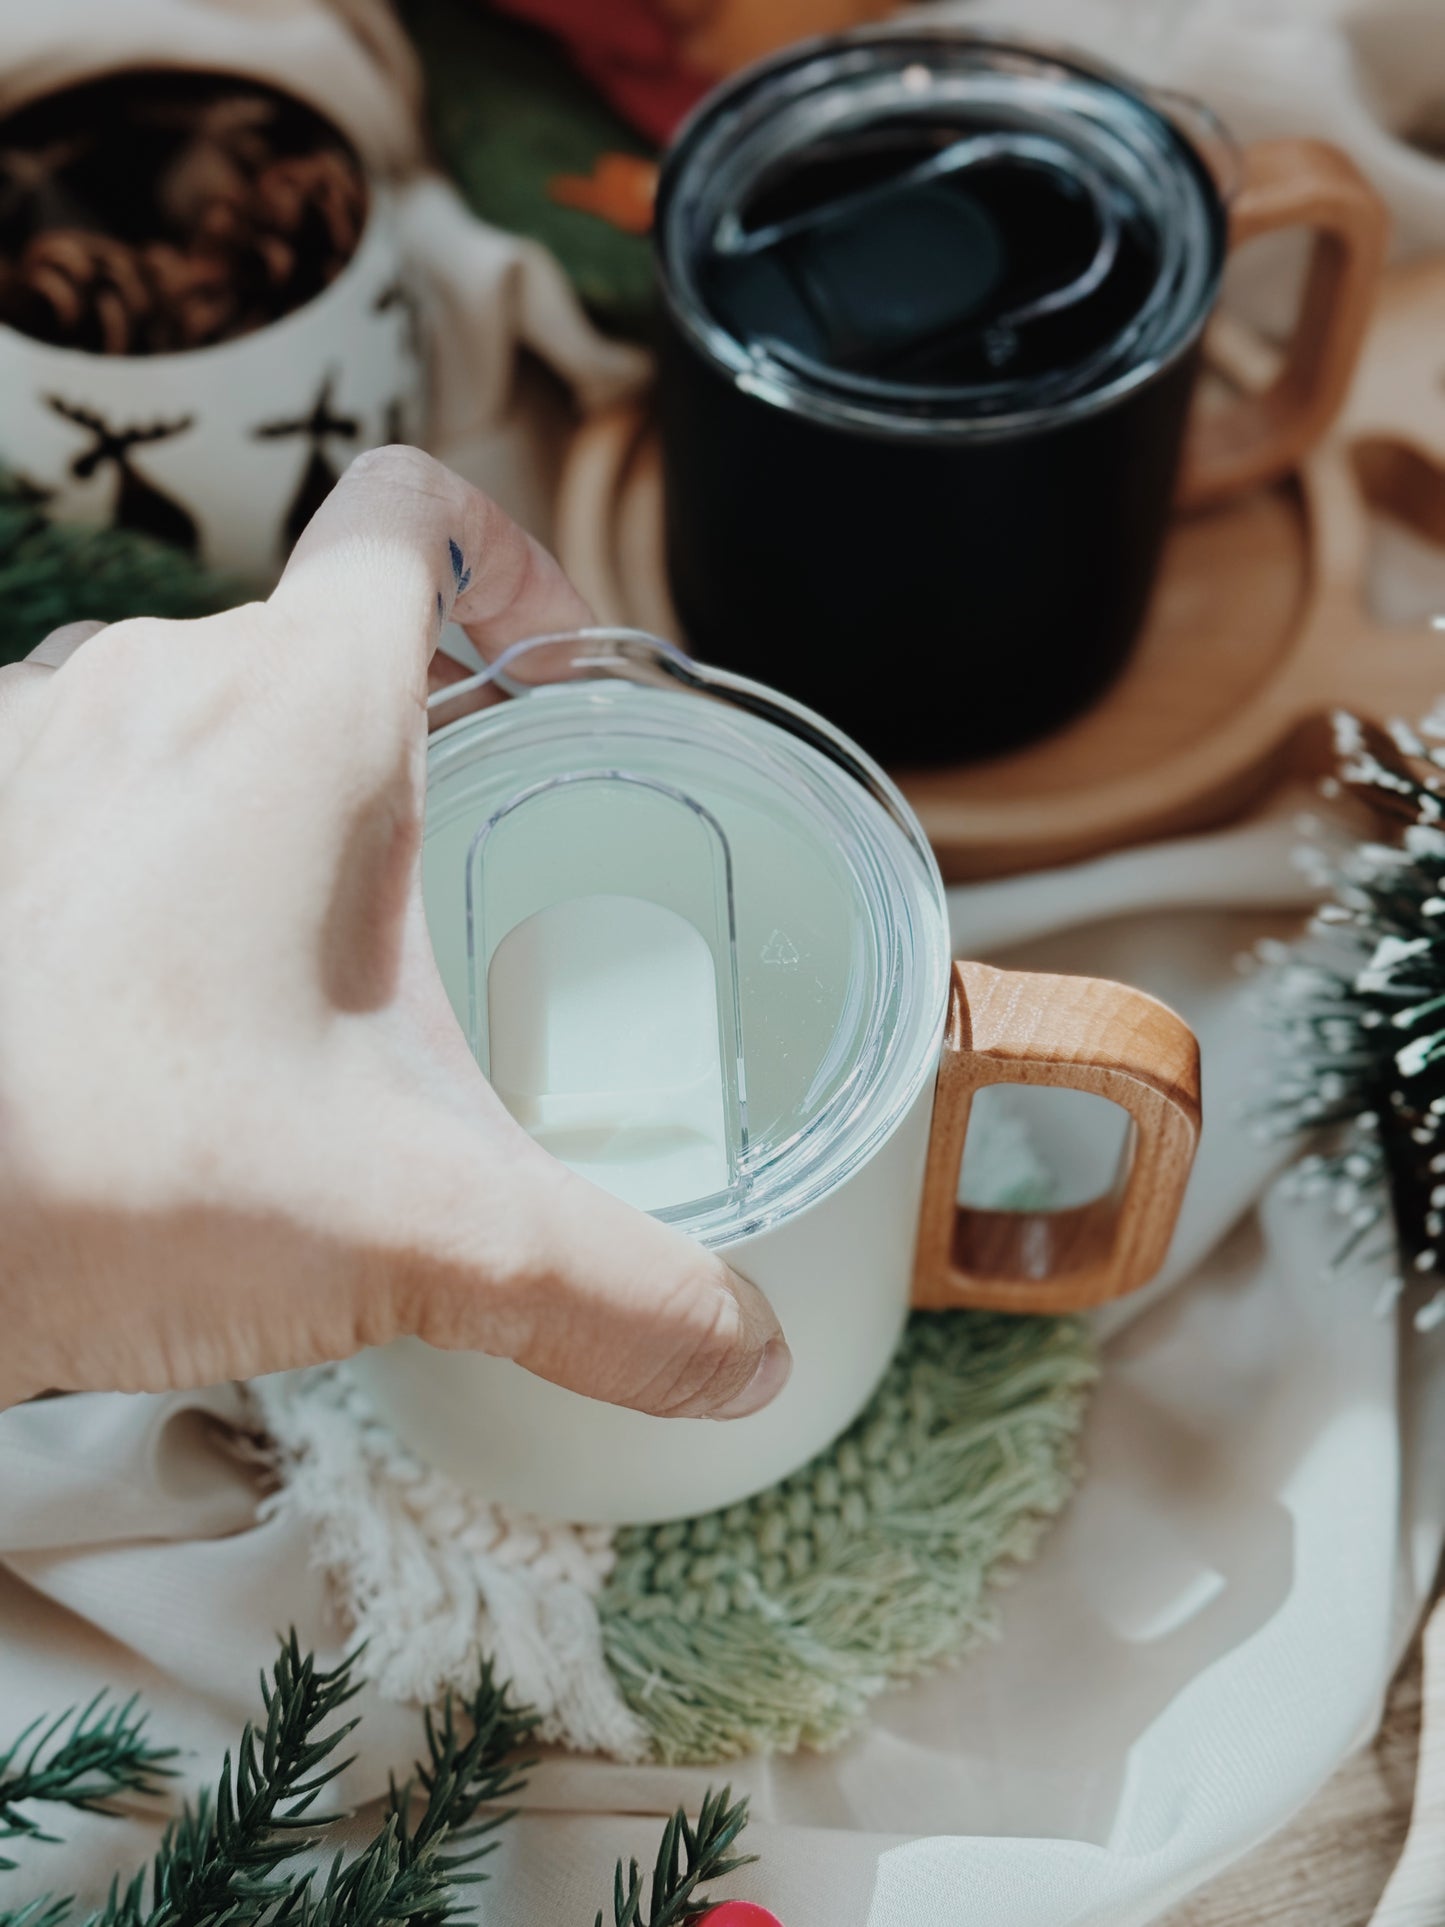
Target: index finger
402 546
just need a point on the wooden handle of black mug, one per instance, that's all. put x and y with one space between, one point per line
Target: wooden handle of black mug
1082 1034
1259 437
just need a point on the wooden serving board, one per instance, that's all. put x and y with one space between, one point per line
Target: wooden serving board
1262 622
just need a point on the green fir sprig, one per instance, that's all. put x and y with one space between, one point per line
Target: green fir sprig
222 1859
1359 1006
84 1759
58 572
415 1871
688 1858
228 1859
44 1912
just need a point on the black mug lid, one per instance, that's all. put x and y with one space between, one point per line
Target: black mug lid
936 231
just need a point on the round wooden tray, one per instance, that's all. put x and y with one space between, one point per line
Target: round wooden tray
1259 626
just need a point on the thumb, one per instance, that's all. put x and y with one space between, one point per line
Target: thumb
585 1291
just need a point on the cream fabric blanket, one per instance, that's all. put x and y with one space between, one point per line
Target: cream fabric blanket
1204 1638
1210 1630
1366 74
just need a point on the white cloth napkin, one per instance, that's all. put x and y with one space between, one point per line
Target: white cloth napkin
1203 1639
1368 75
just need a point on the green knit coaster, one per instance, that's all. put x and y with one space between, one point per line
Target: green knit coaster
771 1625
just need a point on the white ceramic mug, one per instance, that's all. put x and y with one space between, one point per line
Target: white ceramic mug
226 450
848 1044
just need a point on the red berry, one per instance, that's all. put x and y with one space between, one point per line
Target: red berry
739 1913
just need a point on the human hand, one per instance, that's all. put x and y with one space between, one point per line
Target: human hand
240 1128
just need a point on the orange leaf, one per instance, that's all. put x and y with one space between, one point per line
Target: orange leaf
620 189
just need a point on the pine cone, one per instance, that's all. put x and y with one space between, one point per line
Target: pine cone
195 296
33 188
241 234
82 290
324 188
226 141
294 227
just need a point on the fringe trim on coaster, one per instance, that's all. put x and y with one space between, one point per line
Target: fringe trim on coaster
771 1625
762 1628
432 1576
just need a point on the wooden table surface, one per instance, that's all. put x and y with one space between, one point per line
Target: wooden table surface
1330 1867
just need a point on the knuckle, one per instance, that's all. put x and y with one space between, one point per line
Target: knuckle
125 669
123 644
706 1361
380 1307
397 466
96 683
480 1286
16 678
451 1306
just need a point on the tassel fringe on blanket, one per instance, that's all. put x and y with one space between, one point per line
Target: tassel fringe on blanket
761 1628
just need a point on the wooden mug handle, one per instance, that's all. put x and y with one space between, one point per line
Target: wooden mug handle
1259 437
1083 1034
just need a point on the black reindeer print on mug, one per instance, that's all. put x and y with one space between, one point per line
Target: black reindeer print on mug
139 504
320 475
394 420
395 297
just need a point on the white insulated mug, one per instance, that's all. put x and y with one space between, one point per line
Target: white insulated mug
700 944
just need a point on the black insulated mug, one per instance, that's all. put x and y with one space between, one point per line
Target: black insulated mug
932 315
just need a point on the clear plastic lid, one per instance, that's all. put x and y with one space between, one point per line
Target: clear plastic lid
920 228
697 939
